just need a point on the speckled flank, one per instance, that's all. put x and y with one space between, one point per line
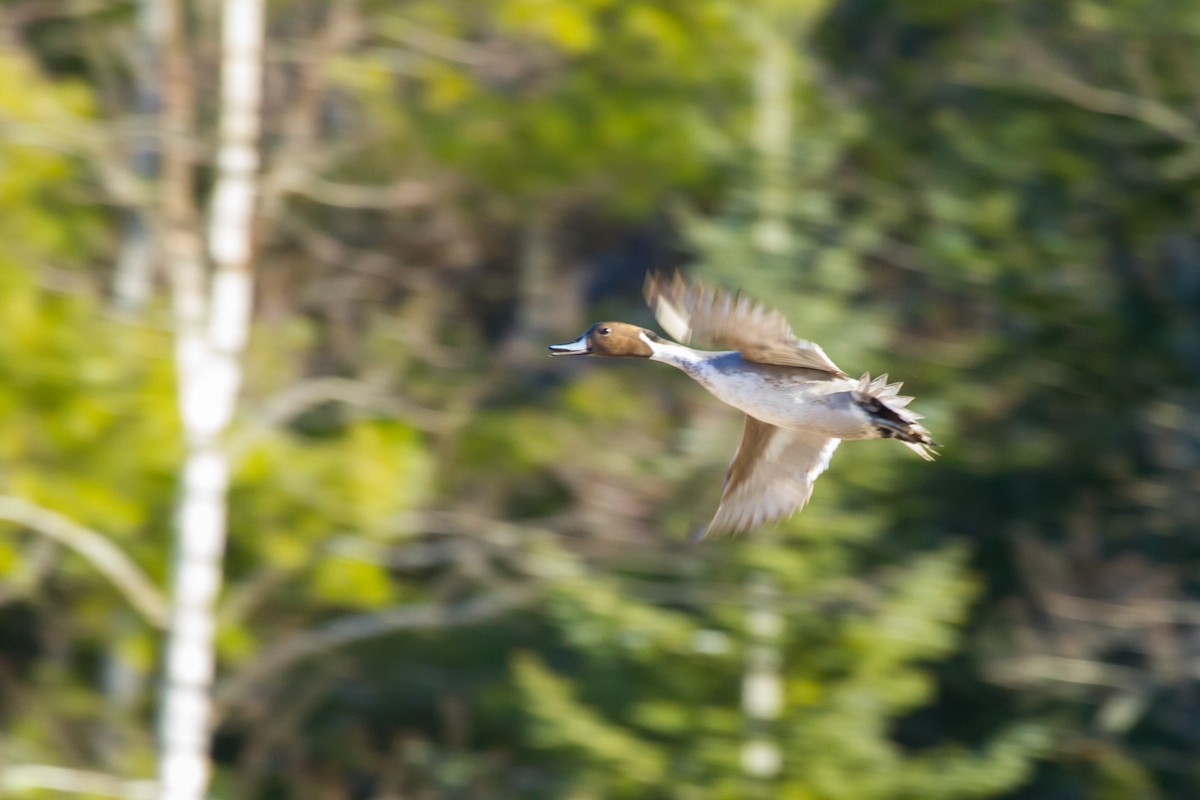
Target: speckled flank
790 397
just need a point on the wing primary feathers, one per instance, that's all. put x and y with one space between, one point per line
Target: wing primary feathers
696 311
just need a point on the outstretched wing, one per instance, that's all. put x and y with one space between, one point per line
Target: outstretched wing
771 475
695 310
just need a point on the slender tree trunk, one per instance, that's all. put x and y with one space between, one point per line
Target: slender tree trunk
774 81
182 769
132 282
547 298
536 277
212 328
762 684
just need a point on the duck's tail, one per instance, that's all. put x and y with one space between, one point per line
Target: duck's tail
887 408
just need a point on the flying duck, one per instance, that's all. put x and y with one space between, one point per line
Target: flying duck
799 405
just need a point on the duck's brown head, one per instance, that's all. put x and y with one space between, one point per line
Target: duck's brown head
610 339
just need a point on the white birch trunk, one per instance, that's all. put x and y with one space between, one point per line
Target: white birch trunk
212 333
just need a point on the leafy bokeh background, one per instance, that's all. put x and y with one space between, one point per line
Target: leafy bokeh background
457 569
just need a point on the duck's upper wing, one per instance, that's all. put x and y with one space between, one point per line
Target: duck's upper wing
771 475
696 311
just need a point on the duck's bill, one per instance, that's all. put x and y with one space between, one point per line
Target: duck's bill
579 347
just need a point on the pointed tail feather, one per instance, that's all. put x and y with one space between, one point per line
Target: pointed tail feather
888 410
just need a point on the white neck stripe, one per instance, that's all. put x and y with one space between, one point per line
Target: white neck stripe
677 355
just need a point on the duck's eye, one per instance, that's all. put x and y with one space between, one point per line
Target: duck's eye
605 331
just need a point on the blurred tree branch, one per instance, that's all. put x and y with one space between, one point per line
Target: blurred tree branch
22 778
349 630
1134 615
282 407
403 194
31 11
1046 72
97 549
90 143
1038 69
1043 667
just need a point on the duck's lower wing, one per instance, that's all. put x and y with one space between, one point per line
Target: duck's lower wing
771 475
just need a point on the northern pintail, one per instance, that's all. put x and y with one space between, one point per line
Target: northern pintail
799 405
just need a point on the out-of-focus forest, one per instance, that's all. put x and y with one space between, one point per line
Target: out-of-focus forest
293 505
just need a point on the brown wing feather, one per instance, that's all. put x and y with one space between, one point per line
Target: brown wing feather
694 310
771 475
